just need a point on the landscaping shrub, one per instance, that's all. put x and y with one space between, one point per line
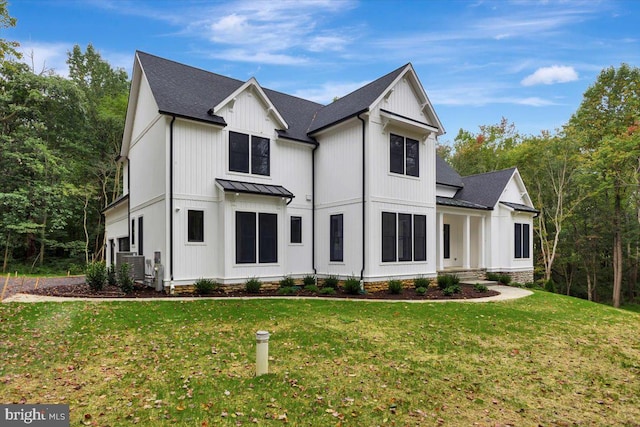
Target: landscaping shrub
494 277
421 282
550 286
124 278
395 287
421 290
452 289
327 291
505 279
287 282
447 280
309 280
531 285
205 286
288 290
95 275
312 288
331 282
253 285
517 285
112 278
479 287
352 286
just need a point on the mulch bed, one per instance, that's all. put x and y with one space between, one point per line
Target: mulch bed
141 291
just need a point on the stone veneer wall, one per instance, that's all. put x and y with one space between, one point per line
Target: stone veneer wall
519 276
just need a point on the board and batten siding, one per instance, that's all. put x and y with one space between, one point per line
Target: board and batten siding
339 191
146 109
403 100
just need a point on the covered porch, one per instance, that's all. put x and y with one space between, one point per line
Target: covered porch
462 242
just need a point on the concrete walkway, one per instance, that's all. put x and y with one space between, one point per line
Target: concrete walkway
506 293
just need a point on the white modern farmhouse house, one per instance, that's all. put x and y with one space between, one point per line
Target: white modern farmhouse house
228 180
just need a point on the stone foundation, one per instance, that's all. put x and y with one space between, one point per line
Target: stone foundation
518 276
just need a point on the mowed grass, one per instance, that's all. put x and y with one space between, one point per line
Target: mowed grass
545 359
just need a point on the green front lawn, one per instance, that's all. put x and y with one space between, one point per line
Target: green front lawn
545 359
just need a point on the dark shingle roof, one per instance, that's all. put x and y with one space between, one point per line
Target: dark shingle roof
448 201
254 188
520 207
353 103
446 175
191 92
486 188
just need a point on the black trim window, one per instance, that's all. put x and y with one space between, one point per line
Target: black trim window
521 234
140 236
404 237
123 245
249 158
133 232
336 239
256 234
446 237
296 229
195 226
404 155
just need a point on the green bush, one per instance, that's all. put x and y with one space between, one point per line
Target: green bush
287 282
205 286
395 287
479 287
95 275
453 289
505 279
112 278
309 280
421 290
550 285
288 290
312 288
421 282
352 286
327 291
494 277
124 278
517 285
447 280
531 285
331 282
253 285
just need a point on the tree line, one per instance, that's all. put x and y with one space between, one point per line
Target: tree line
585 180
60 138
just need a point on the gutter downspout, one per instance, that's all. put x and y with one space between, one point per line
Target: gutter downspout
363 204
171 198
313 211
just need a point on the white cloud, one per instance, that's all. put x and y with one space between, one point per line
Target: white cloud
551 75
42 56
325 93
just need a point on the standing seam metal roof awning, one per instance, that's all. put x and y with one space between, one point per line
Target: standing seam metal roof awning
520 208
254 188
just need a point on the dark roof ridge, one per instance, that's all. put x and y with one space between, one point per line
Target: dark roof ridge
490 172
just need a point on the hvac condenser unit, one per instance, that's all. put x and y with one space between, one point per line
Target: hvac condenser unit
120 257
137 266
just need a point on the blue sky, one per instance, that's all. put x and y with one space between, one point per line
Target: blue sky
478 61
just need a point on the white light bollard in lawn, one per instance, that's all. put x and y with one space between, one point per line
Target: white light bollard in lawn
262 353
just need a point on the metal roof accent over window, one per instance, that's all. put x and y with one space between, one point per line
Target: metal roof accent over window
448 201
520 208
253 188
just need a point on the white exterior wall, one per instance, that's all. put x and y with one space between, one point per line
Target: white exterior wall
339 191
200 156
116 227
146 110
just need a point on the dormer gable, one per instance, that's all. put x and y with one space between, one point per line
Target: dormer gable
252 86
405 102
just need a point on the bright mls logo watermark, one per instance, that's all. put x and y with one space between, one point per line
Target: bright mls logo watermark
34 415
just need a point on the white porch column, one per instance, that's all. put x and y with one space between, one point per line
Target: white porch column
482 245
440 248
466 247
